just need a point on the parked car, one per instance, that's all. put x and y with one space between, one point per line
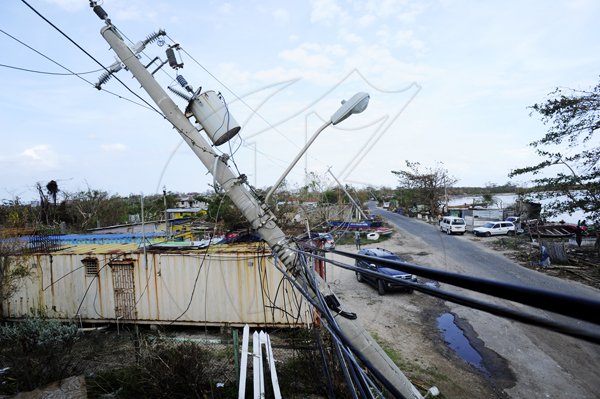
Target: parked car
514 220
495 229
383 285
328 241
451 224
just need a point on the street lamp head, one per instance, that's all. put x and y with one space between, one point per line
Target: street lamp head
357 104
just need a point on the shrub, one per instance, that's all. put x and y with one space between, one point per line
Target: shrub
37 351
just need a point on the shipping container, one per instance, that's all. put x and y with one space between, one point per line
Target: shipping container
233 284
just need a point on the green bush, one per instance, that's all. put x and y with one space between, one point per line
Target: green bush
37 351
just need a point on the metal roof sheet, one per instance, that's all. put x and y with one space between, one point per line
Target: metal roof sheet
98 249
238 248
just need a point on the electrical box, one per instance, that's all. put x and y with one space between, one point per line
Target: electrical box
212 113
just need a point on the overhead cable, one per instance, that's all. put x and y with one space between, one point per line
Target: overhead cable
91 56
573 306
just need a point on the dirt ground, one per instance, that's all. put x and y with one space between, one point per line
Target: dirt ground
406 326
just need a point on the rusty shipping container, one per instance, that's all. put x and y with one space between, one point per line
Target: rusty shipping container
233 284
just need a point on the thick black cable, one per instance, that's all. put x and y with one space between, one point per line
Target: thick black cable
91 56
356 375
494 309
577 307
350 378
342 337
324 358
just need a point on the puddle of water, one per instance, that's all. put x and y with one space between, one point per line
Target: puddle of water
456 340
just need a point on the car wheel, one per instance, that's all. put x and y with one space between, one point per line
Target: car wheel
510 233
359 277
449 232
380 287
488 234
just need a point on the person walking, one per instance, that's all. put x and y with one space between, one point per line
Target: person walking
578 234
357 239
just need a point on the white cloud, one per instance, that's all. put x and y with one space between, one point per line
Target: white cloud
366 20
36 152
407 39
226 8
39 156
114 147
280 15
326 10
307 55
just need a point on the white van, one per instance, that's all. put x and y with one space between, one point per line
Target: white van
451 224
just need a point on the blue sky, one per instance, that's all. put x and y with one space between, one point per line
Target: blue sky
450 81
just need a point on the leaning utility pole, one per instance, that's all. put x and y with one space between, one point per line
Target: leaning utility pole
259 215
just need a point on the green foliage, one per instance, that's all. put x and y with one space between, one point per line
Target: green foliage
14 264
569 166
37 352
423 186
222 211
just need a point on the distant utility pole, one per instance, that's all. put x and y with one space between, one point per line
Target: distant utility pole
348 195
259 215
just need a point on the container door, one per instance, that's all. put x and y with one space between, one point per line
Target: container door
124 290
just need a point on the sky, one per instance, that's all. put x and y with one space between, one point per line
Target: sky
450 82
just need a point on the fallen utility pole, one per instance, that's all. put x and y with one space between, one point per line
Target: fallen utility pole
259 215
365 217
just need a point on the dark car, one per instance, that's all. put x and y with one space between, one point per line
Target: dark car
383 285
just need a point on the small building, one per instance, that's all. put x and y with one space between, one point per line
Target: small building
233 284
152 226
476 216
188 201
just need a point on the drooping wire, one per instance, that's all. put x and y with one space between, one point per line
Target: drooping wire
48 73
502 311
340 334
91 56
236 96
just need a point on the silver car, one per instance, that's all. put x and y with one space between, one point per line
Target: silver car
495 229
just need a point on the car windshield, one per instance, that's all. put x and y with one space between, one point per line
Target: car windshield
458 221
488 225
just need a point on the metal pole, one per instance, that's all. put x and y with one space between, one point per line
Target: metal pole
295 161
236 355
349 196
259 215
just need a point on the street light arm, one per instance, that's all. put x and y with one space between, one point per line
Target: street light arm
295 161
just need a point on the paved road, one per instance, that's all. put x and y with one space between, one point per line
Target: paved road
545 364
481 263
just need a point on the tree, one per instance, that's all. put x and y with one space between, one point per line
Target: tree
14 263
52 189
424 186
569 175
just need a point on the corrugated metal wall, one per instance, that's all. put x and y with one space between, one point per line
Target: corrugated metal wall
231 288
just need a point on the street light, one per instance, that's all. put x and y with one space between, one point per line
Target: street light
357 104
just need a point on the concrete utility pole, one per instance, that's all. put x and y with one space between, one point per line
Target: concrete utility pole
259 215
348 195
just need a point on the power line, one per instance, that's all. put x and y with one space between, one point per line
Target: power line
91 56
48 73
71 73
